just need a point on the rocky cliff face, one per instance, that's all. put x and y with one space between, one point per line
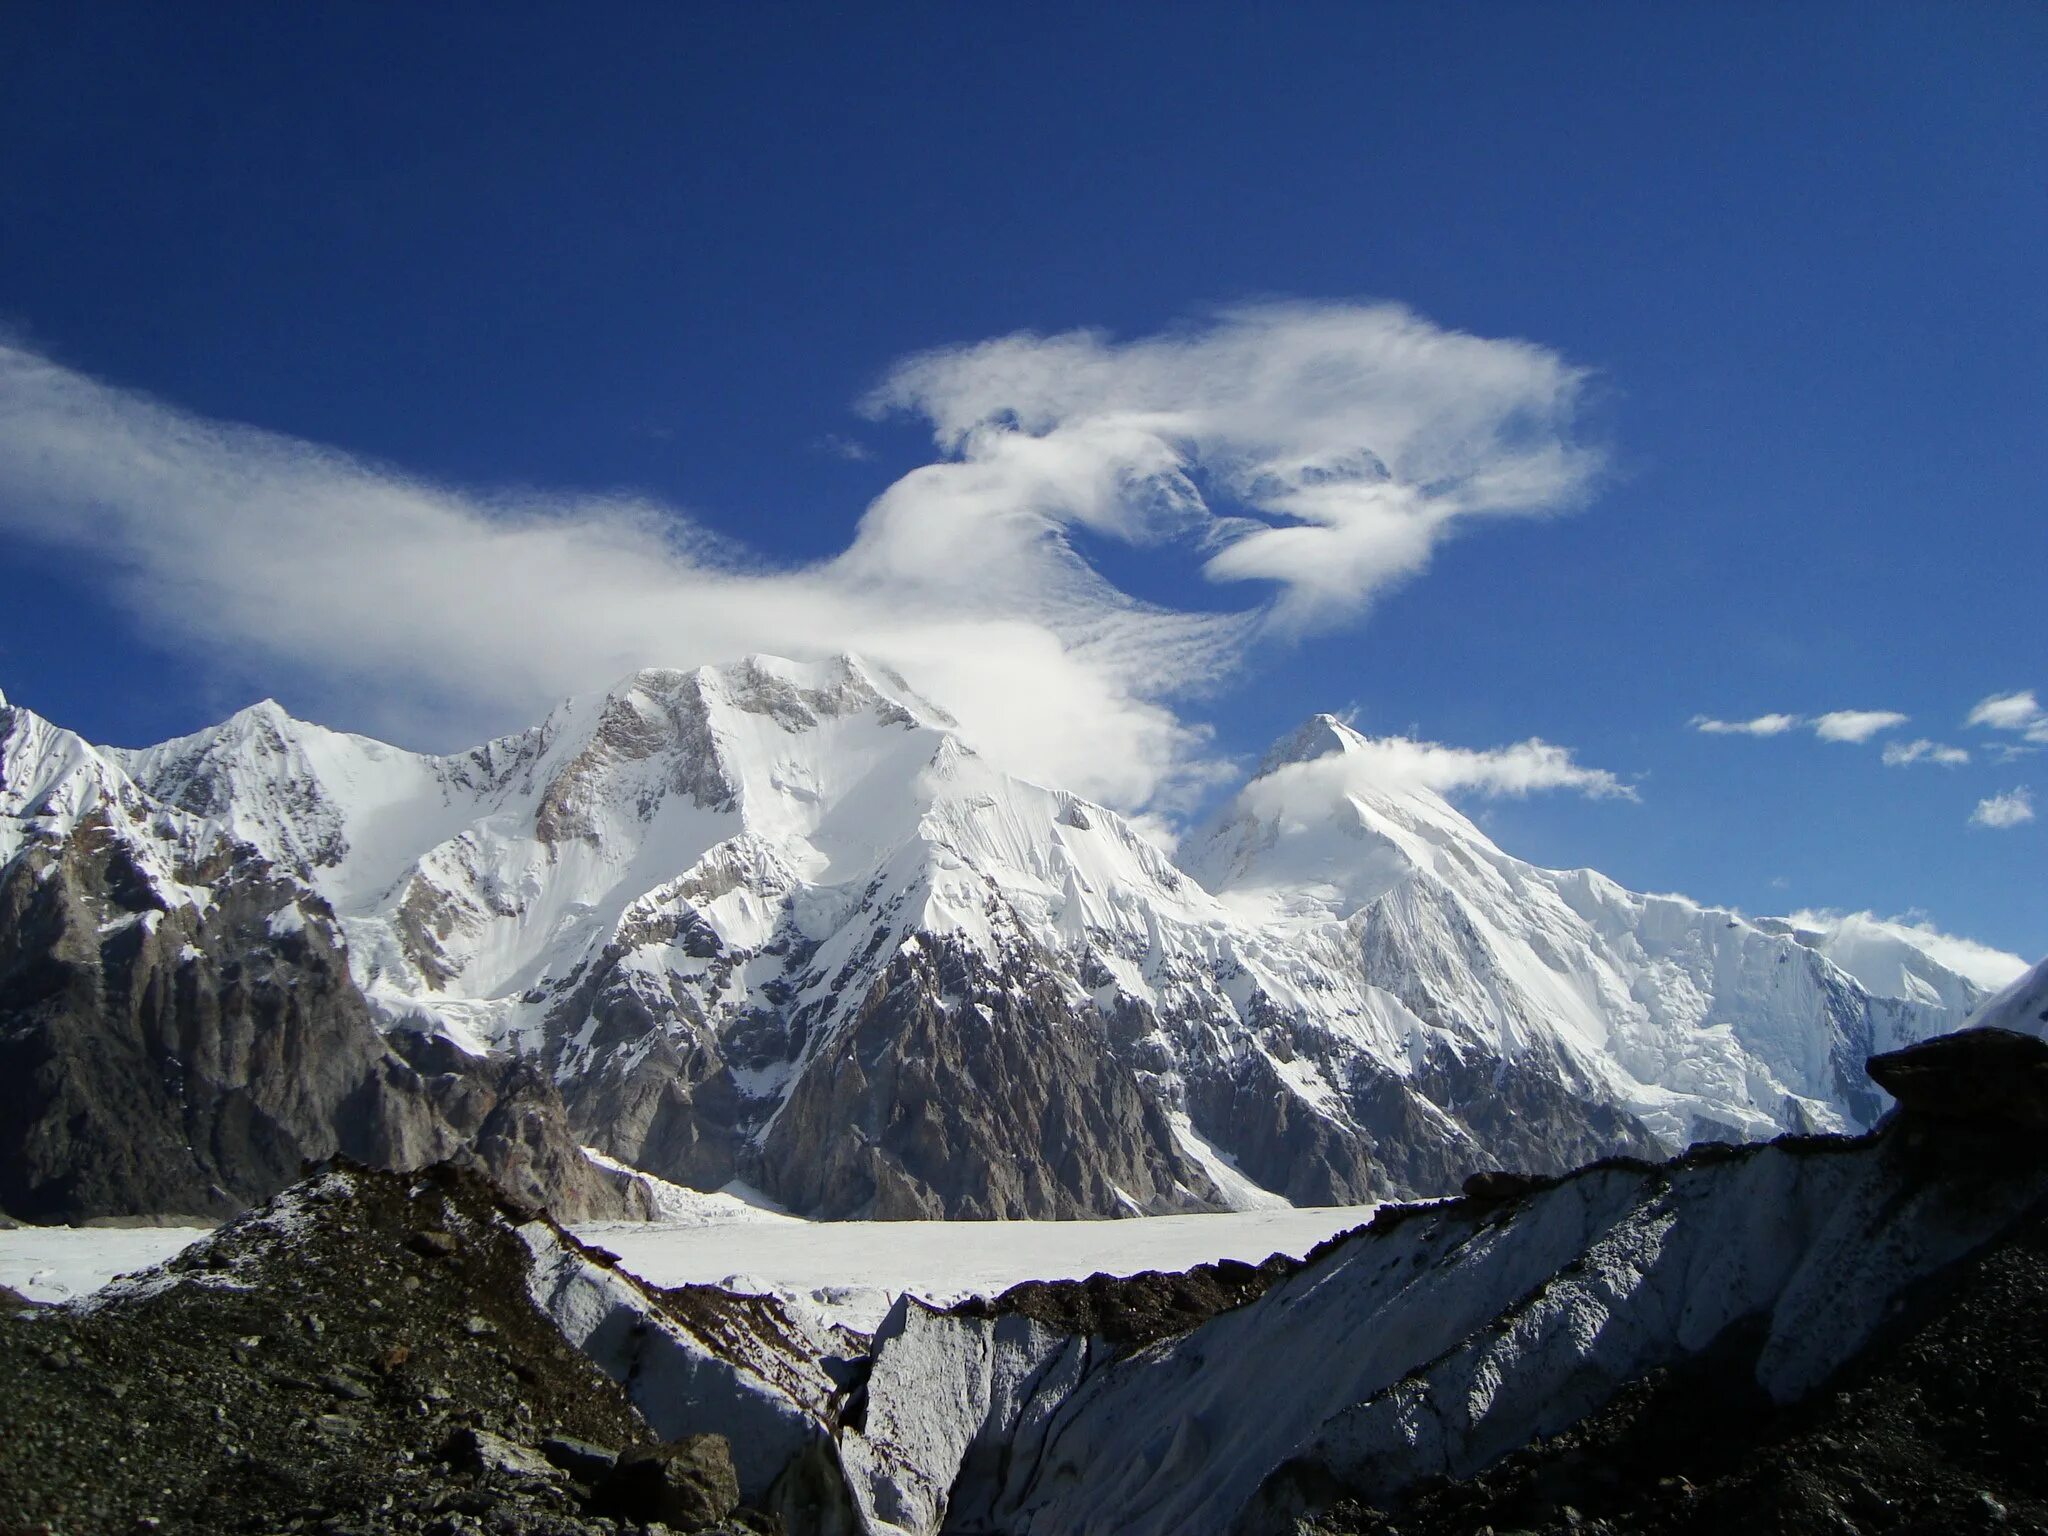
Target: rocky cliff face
778 922
179 1032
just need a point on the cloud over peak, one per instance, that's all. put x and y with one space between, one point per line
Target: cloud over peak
1322 450
1327 449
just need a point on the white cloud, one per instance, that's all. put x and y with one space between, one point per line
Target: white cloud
1897 754
1987 967
1856 725
1400 763
2010 809
2020 712
1343 443
1835 725
1762 725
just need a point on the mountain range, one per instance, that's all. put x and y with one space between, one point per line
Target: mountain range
778 926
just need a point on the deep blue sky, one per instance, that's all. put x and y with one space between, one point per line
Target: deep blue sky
666 248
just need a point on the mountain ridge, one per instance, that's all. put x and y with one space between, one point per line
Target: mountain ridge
778 921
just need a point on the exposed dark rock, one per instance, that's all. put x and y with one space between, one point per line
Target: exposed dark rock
1132 1311
157 1058
1490 1186
1975 1075
1007 1103
216 1403
579 1458
688 1484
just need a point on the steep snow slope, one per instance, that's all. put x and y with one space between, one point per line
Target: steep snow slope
777 921
1697 1021
2021 1007
1897 959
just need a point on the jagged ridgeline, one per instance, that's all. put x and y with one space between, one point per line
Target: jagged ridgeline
778 923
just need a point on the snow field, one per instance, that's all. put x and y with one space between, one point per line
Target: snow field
850 1271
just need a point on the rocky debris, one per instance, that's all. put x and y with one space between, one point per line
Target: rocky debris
480 1451
1820 1333
1977 1075
1131 1311
583 1461
313 1367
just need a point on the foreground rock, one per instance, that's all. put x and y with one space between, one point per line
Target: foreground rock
361 1356
1821 1333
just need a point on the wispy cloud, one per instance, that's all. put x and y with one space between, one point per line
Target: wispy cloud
2020 712
1324 450
1857 725
1328 449
1854 725
1897 754
1989 968
1762 725
840 446
1376 764
2000 812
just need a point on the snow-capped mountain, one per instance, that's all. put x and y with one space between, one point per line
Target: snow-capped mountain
777 922
2021 1007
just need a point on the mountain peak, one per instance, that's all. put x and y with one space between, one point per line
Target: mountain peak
1318 736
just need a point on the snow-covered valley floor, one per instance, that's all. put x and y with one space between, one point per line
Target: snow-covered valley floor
851 1271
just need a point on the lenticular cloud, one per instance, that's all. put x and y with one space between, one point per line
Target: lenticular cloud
1320 451
1327 449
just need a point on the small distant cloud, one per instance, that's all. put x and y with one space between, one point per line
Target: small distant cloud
1836 725
1897 754
2020 712
841 446
1762 725
1780 883
2011 809
1855 724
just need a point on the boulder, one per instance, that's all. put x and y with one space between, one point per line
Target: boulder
1985 1076
478 1450
688 1484
1495 1186
583 1461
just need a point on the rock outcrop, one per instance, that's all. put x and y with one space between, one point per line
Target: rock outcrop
163 1055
